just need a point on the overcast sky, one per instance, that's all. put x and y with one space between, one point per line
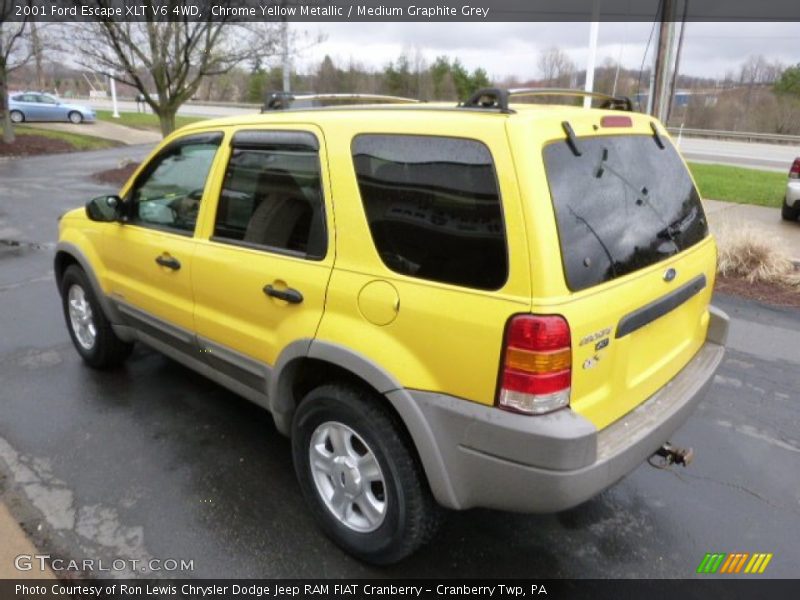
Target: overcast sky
710 49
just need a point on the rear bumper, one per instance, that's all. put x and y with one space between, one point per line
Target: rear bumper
496 459
792 199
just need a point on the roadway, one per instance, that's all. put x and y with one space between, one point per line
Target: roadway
770 157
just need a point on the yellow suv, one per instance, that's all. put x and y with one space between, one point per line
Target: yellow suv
484 305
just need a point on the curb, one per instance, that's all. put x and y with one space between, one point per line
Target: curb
15 543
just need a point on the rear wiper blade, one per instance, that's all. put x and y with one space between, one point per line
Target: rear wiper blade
679 225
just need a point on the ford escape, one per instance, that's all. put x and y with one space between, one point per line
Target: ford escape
494 304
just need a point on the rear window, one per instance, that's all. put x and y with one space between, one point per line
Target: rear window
433 208
625 203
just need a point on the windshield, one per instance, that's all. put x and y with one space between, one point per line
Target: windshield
625 203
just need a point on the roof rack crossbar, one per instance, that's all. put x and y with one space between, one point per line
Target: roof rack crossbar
283 100
498 98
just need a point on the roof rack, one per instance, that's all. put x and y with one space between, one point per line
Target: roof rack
284 100
498 98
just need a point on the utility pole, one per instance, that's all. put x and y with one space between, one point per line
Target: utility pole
113 84
594 27
36 49
674 83
663 67
287 67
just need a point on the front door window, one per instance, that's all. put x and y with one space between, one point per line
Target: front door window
167 194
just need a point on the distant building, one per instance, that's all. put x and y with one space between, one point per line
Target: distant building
682 98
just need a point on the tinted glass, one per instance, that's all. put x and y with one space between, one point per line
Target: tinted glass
168 194
433 208
623 205
273 199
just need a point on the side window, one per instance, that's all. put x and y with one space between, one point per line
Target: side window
168 193
272 198
433 208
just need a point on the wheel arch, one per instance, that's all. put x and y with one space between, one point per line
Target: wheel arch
306 364
69 254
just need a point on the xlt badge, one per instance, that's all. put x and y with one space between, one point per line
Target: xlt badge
592 337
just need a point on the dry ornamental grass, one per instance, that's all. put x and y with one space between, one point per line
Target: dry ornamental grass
754 255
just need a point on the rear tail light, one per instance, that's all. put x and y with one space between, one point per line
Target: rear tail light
794 172
536 371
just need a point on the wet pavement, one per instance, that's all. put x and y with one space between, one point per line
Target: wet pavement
153 461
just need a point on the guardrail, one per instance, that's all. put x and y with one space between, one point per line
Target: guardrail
745 136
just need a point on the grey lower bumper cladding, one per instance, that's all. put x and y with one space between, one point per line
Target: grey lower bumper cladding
495 459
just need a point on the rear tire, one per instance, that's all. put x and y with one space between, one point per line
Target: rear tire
789 214
16 116
75 117
351 452
90 330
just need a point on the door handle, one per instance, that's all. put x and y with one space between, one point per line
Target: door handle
169 262
290 295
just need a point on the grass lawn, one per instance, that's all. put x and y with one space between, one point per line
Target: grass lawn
737 184
78 141
143 120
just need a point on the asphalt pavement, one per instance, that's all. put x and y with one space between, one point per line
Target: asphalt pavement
770 157
154 461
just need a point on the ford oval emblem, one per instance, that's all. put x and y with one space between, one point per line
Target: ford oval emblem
670 274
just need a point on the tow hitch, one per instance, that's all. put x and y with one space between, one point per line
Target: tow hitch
671 455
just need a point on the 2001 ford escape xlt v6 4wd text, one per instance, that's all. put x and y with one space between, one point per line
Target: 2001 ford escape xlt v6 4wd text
485 305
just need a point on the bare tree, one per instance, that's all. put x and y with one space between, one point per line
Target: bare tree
555 67
14 52
757 71
167 61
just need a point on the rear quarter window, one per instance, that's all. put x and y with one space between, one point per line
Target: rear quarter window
624 204
433 208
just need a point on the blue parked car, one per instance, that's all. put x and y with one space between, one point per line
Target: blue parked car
33 106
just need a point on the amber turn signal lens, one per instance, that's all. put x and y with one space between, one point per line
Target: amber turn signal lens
538 362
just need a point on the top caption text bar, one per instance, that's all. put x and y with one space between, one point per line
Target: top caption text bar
395 10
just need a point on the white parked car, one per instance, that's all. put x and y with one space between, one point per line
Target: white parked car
791 202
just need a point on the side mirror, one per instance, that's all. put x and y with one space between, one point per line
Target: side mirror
104 209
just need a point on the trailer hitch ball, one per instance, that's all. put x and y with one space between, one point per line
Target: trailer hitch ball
673 455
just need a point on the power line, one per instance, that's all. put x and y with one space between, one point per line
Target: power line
646 50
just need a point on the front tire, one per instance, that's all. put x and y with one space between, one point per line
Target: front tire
789 213
90 330
16 116
360 476
75 117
